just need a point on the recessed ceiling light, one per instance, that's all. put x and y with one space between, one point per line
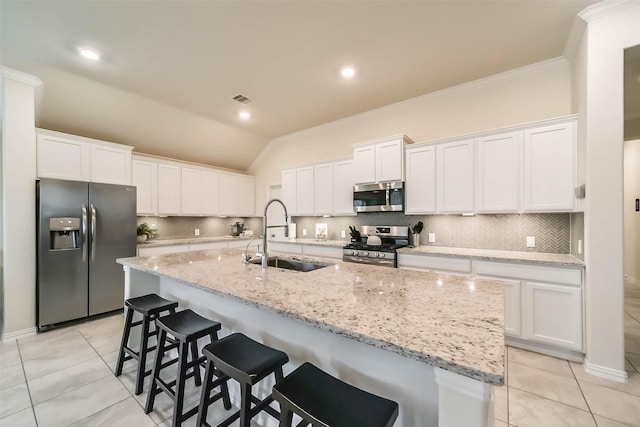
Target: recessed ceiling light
348 72
88 53
244 115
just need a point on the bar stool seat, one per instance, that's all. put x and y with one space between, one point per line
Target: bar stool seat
150 307
186 327
247 361
323 400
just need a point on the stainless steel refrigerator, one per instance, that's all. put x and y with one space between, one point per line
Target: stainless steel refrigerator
82 228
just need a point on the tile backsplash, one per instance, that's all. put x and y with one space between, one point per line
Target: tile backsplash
554 233
183 227
503 232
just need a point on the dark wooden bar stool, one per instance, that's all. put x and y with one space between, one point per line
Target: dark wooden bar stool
186 327
150 307
248 362
325 401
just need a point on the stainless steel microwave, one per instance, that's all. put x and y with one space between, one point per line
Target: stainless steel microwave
382 197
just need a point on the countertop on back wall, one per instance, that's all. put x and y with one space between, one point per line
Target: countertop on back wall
484 254
156 243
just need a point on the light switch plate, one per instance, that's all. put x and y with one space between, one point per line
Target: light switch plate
197 231
304 231
432 237
343 234
531 242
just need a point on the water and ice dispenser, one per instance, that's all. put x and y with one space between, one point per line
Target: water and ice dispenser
65 233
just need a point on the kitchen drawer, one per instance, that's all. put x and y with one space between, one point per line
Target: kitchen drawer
422 262
322 251
541 273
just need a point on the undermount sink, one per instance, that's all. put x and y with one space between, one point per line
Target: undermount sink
292 263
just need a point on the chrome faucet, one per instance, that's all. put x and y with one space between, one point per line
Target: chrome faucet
245 255
265 227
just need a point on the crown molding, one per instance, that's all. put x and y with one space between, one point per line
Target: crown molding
19 76
604 8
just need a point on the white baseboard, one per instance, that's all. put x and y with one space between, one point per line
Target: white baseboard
604 372
19 334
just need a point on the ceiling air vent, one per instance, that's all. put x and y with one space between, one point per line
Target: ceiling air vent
242 99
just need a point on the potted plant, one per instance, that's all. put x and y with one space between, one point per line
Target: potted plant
145 232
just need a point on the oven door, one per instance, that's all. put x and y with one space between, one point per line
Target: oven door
382 197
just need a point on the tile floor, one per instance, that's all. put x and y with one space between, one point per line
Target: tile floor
43 383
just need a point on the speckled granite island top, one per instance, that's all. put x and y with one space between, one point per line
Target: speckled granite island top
445 321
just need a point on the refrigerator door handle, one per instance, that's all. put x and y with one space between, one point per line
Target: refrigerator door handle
84 233
94 221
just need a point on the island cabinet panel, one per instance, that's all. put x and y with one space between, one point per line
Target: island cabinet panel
420 186
323 189
549 167
343 180
499 167
554 314
455 172
304 191
322 251
169 186
144 175
285 248
289 182
191 191
210 197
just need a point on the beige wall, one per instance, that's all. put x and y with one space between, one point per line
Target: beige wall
631 217
533 93
74 104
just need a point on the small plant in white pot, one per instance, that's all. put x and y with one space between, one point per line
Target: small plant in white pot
146 232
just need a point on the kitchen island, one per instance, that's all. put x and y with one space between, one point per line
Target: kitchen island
433 343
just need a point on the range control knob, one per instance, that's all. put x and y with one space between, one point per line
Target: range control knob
364 253
381 255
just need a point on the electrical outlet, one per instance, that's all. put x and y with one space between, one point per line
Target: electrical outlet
197 231
343 234
531 242
304 232
432 237
579 247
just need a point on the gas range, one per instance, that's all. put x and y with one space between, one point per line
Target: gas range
384 254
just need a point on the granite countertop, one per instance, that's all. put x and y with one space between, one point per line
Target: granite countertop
154 243
496 255
450 322
309 241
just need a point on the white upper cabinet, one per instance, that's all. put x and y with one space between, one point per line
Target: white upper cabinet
228 195
364 162
420 186
71 157
549 167
169 186
455 176
304 191
289 182
191 191
380 160
499 174
144 175
343 187
210 202
323 189
246 195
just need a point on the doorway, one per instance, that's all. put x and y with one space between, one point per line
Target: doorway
631 205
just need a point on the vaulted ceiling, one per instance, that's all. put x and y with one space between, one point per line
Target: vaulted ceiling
192 57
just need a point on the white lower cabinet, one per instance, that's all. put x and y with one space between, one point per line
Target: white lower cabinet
543 307
554 314
512 310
